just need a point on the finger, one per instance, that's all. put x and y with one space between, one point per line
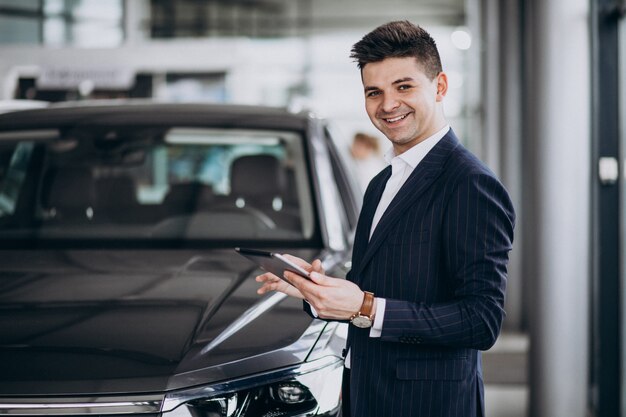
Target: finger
266 288
298 261
263 279
295 279
279 287
266 277
302 284
317 266
320 279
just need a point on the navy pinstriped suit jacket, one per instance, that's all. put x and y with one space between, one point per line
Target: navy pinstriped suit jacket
439 256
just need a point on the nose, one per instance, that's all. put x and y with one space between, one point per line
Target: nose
390 103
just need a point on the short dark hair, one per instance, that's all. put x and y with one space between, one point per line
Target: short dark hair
399 39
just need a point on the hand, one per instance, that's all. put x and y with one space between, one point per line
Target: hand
332 298
272 283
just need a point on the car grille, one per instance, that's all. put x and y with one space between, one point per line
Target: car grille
80 415
144 406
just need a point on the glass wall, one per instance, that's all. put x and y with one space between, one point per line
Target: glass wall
190 18
79 23
19 22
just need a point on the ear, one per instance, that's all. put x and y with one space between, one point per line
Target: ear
442 86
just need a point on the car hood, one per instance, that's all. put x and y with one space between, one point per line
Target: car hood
86 322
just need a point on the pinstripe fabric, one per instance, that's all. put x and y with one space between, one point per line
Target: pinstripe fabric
439 256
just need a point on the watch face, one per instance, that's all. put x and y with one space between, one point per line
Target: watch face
362 322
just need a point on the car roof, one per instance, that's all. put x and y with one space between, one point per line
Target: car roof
149 113
18 104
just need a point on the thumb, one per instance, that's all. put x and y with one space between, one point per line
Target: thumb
317 266
318 278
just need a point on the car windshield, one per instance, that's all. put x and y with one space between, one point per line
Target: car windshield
155 184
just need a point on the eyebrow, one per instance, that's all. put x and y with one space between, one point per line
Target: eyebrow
400 81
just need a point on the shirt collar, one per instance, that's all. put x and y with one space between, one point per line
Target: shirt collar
414 155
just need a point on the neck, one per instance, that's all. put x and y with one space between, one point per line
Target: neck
400 148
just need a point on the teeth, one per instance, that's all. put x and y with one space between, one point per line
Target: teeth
395 119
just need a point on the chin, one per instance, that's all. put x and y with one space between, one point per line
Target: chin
401 140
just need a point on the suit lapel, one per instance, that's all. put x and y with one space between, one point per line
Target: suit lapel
419 181
370 203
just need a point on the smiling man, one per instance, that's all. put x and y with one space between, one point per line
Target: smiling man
426 291
399 100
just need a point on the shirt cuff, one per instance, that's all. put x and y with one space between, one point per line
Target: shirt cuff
312 310
377 327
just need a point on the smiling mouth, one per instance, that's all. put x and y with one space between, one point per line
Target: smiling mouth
395 119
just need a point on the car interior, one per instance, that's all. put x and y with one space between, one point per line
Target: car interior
137 185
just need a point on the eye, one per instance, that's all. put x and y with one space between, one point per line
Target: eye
372 93
405 87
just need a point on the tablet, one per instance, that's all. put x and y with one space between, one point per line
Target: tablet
275 263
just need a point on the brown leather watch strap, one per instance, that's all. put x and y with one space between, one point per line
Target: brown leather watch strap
367 308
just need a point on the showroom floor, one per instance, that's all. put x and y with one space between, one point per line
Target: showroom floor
505 374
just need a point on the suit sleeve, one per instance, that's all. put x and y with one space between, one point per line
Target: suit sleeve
477 235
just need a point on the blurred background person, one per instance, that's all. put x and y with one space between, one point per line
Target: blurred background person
365 151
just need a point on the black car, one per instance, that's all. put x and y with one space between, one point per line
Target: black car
120 290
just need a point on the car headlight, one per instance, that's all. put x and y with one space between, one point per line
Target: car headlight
290 393
312 388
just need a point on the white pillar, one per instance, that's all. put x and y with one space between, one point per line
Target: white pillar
501 135
557 158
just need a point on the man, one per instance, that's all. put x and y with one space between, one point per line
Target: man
431 244
368 161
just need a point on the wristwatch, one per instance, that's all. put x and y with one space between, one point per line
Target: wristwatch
363 318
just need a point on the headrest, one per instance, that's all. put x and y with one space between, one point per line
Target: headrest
116 192
190 195
257 175
69 187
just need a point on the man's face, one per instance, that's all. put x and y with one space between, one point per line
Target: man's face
402 102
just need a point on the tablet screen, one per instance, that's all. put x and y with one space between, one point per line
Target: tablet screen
275 263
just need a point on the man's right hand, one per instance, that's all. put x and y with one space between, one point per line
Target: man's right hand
273 283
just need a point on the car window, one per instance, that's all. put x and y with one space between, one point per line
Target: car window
13 166
345 183
165 183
